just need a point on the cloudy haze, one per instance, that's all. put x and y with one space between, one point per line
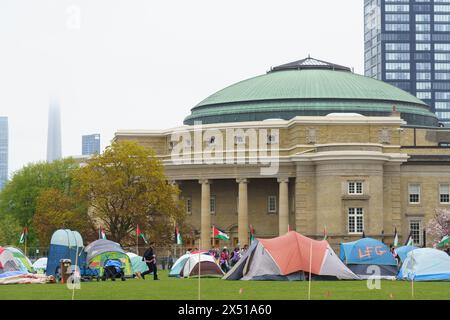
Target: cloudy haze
135 64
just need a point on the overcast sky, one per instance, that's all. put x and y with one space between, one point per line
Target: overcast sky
143 64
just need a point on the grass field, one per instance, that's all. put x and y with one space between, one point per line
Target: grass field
216 289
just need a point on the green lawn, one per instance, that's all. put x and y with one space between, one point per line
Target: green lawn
187 289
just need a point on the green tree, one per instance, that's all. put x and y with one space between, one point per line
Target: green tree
19 197
126 186
10 231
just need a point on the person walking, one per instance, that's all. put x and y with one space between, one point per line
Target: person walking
150 259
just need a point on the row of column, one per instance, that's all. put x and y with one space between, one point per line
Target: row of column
243 223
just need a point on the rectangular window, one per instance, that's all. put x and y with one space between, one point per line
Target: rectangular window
414 193
355 220
355 187
415 229
272 204
212 204
188 205
444 193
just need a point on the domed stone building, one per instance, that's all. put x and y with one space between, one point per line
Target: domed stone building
308 146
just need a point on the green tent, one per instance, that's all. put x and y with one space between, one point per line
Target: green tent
136 263
20 257
99 251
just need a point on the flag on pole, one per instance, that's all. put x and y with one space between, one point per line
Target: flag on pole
24 235
140 234
410 241
101 233
178 238
395 238
382 236
325 234
252 234
219 234
445 240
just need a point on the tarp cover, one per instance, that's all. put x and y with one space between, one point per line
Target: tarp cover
426 265
366 251
20 277
101 246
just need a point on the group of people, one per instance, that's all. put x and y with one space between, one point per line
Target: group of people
227 259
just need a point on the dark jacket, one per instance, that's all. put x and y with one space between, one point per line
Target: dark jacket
149 256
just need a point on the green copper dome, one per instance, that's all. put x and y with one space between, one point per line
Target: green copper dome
309 87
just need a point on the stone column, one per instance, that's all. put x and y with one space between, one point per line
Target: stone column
205 233
283 210
243 212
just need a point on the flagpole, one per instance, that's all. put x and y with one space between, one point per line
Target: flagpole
199 267
26 236
75 271
310 273
137 240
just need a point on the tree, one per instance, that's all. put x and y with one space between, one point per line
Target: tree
126 186
57 210
439 225
10 231
19 197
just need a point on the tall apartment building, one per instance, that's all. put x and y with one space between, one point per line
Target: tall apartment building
90 144
407 44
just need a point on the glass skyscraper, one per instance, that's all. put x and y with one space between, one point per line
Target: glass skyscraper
3 151
91 144
407 44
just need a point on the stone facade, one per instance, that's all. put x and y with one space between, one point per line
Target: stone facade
319 157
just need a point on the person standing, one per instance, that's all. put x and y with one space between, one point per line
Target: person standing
150 259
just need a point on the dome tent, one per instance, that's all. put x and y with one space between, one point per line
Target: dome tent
178 267
203 264
287 258
403 252
22 260
136 263
426 265
99 251
361 255
65 244
8 263
40 265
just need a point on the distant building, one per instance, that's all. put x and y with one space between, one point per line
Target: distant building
3 151
407 44
54 132
91 144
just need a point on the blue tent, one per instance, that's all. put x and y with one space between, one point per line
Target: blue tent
178 265
426 265
403 252
360 256
65 244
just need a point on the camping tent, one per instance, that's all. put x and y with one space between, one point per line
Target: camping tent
178 267
99 251
287 258
136 263
40 265
22 260
65 244
8 263
403 252
200 264
426 265
361 256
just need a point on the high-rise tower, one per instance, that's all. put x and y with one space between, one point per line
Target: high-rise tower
54 131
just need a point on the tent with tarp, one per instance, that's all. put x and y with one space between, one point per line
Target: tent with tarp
136 263
8 263
426 265
99 251
178 267
40 265
65 244
369 257
22 260
403 252
289 257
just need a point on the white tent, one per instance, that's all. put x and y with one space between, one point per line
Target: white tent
40 265
204 262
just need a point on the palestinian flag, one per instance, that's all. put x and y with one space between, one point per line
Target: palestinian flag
219 234
395 238
252 234
445 240
325 234
140 234
178 239
101 234
24 235
410 241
